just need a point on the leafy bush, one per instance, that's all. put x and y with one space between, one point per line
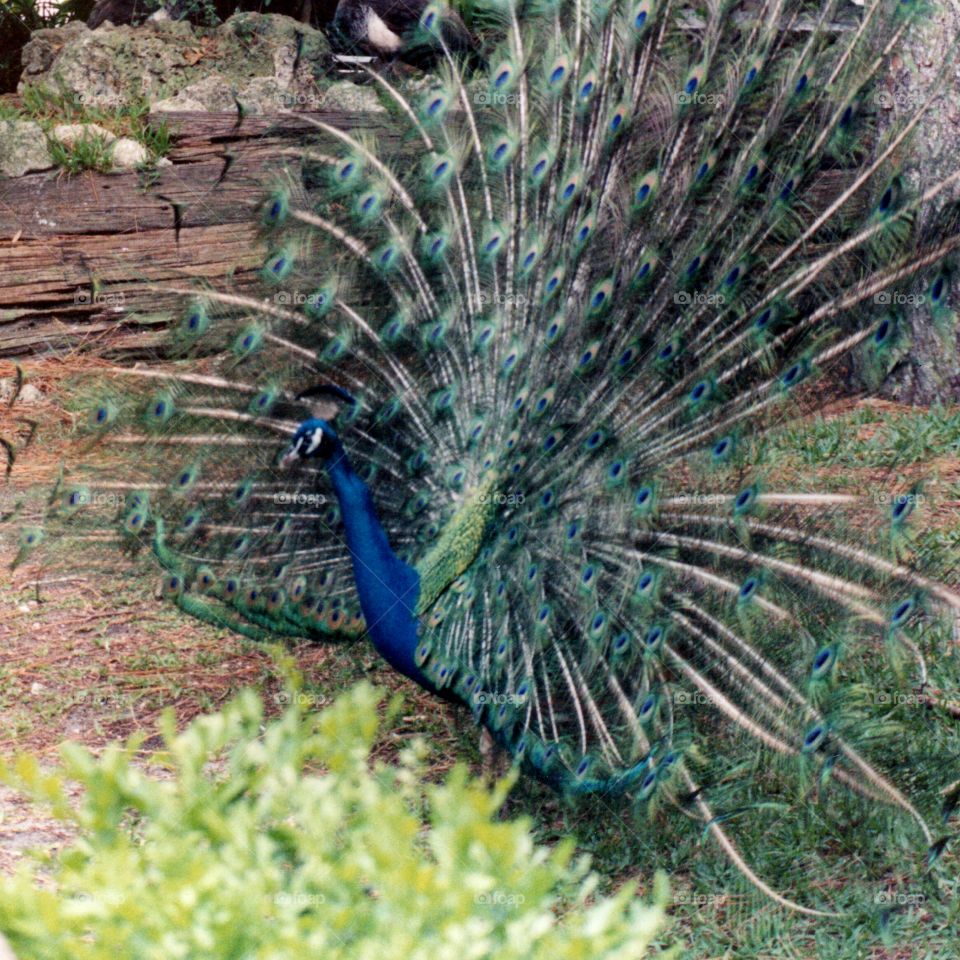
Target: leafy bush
240 845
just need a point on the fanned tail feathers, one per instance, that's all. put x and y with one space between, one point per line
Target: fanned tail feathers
596 273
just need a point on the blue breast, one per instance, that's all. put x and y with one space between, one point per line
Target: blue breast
387 587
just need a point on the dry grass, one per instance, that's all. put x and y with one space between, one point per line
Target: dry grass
95 661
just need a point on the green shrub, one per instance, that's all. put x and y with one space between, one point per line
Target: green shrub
276 840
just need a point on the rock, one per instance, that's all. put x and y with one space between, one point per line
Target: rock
28 392
128 154
40 54
266 95
351 98
214 93
204 12
23 148
178 66
70 134
183 102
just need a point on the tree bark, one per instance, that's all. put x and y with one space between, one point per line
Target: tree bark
929 370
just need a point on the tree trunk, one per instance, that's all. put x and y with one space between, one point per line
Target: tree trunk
929 371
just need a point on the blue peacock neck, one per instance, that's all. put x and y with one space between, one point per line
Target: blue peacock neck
389 589
393 595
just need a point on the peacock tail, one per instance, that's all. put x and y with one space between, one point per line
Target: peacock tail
498 407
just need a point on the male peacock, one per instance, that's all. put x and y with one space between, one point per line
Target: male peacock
498 411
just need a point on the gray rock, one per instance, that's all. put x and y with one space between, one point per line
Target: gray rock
23 148
216 93
70 134
29 394
40 54
351 98
177 65
212 93
128 154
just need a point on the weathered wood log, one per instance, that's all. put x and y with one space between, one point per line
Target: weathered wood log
79 256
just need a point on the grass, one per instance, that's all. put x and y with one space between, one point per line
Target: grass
50 108
97 659
901 439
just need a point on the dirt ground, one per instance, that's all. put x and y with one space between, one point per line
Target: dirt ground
95 662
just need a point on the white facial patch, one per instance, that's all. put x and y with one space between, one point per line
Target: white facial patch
315 439
379 35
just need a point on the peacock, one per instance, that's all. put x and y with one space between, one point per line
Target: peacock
501 409
392 29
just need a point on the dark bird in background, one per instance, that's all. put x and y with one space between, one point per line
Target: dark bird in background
390 28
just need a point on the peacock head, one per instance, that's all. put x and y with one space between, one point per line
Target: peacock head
314 438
